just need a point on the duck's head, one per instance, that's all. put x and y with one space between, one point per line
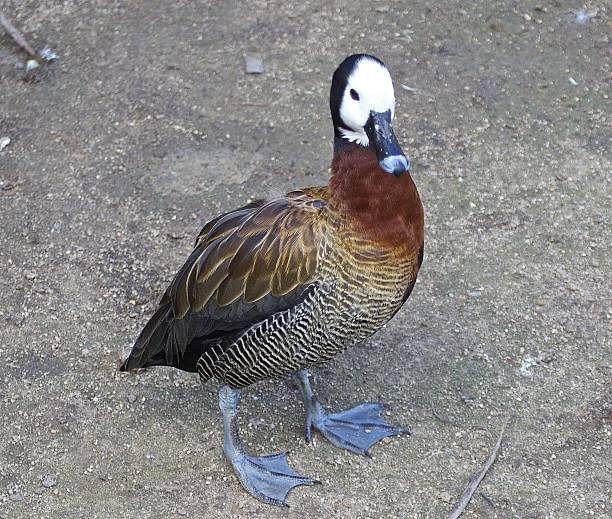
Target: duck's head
362 104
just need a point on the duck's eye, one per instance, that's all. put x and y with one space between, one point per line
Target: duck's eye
354 94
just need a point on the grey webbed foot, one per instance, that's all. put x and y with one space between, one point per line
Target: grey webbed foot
355 429
268 478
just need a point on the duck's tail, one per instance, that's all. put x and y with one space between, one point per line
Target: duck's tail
153 347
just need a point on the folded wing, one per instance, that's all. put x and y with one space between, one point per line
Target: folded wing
246 265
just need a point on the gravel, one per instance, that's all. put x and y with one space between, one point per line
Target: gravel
148 126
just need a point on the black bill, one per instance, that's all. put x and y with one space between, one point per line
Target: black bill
382 139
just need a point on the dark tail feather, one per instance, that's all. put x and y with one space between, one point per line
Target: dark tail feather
167 341
149 348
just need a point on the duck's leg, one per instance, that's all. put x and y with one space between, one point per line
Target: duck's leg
268 478
355 429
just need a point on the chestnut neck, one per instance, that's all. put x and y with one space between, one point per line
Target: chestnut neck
383 208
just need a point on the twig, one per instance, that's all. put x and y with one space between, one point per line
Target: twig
260 105
488 500
17 36
416 91
408 88
477 478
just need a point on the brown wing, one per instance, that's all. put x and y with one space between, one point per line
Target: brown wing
250 253
246 265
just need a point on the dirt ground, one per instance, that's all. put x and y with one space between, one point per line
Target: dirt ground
148 126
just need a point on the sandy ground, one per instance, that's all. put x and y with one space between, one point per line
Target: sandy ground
148 126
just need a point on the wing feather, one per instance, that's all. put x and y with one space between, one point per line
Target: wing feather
201 292
246 265
272 249
226 222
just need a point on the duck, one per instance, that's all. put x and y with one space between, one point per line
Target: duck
279 286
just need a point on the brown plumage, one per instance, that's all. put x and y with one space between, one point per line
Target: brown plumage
246 264
277 286
259 260
382 208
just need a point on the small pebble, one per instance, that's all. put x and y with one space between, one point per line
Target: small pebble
34 72
31 64
4 142
49 480
547 357
445 496
48 54
583 15
254 65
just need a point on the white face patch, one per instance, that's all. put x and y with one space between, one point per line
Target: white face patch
371 82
